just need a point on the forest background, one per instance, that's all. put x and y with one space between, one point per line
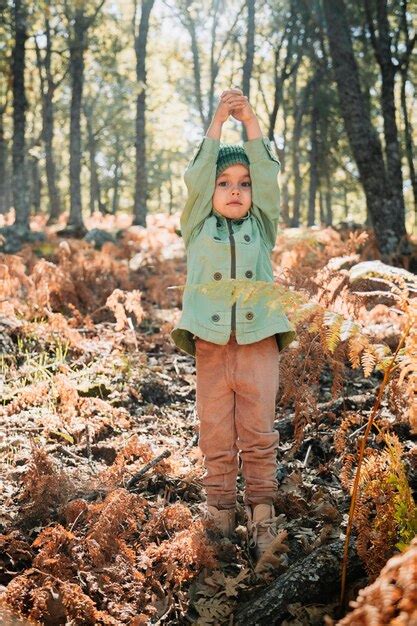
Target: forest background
102 104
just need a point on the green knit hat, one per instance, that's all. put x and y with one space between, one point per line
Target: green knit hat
230 154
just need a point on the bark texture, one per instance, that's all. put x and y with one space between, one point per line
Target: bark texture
20 175
141 187
310 579
384 205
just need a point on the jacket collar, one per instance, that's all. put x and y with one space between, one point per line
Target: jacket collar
237 220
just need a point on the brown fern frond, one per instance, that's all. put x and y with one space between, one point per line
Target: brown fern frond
45 488
346 478
408 364
183 556
391 598
102 540
368 361
356 345
349 419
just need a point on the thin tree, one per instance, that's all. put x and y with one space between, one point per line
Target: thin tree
300 107
249 54
383 204
192 20
49 85
404 65
314 155
286 33
78 24
20 174
141 182
294 41
381 43
5 92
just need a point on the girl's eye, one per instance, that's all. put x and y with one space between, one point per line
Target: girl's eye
225 183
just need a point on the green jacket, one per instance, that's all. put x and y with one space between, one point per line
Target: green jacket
222 251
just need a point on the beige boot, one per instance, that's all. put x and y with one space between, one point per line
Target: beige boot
224 519
261 526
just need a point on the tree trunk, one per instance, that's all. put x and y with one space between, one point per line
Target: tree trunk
35 186
51 176
20 175
325 171
197 72
3 160
408 131
188 21
77 47
117 175
328 215
91 142
171 195
311 214
308 580
141 183
321 208
277 98
250 51
285 202
214 65
383 205
409 143
299 111
79 23
47 93
382 49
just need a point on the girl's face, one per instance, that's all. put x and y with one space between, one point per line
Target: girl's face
233 193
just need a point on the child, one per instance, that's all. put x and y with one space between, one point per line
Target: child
229 225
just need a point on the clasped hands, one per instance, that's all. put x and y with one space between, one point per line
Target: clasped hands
233 102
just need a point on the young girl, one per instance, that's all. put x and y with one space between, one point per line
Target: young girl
229 225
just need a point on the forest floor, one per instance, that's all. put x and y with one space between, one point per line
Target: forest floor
94 531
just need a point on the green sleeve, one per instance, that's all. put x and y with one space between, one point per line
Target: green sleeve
264 168
200 179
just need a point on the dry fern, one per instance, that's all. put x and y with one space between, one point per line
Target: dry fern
385 514
391 599
121 302
44 488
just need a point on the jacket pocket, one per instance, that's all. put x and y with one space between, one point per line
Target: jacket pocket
246 316
216 319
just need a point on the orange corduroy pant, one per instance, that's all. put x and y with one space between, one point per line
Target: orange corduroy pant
236 391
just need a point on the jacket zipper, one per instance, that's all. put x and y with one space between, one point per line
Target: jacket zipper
233 268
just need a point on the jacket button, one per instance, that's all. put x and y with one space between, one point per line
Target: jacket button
246 238
249 316
215 317
249 274
217 276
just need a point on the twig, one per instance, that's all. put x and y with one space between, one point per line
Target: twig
63 450
88 443
358 430
307 455
136 477
191 443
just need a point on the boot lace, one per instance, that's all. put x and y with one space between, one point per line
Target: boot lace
269 525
